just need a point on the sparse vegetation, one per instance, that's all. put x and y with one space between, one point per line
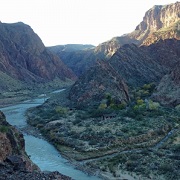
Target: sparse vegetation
4 129
140 125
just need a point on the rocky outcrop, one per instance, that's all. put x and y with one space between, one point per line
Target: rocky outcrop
96 83
107 49
11 141
14 162
24 57
160 17
8 172
160 22
168 90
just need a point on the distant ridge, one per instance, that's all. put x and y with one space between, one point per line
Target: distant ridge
159 23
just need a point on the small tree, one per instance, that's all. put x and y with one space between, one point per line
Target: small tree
153 105
103 106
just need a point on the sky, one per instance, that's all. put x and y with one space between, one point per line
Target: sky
77 21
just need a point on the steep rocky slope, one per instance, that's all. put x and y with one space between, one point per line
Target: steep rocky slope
168 90
146 64
135 65
14 163
160 22
79 61
24 57
93 86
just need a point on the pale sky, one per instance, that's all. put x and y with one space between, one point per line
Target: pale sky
77 21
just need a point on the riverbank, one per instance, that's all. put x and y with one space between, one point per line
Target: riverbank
12 97
15 115
110 146
32 131
14 162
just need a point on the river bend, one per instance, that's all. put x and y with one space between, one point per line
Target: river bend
40 151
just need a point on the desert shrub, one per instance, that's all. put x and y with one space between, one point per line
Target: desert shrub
82 115
145 91
76 121
131 165
140 102
61 110
102 106
139 117
176 148
134 157
93 142
4 129
99 112
166 168
153 105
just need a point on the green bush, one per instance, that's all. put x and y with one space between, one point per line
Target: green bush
177 108
153 105
4 129
61 110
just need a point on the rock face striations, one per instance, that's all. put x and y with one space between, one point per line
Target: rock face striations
14 163
24 57
96 83
160 22
146 64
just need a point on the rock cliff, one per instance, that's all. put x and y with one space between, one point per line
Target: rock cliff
168 90
160 22
14 162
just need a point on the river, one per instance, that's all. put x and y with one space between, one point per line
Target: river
40 151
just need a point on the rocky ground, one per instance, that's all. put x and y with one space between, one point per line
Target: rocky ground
13 170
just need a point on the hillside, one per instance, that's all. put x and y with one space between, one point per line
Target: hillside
79 60
97 83
146 64
24 57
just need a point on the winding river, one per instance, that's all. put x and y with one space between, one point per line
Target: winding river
40 151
